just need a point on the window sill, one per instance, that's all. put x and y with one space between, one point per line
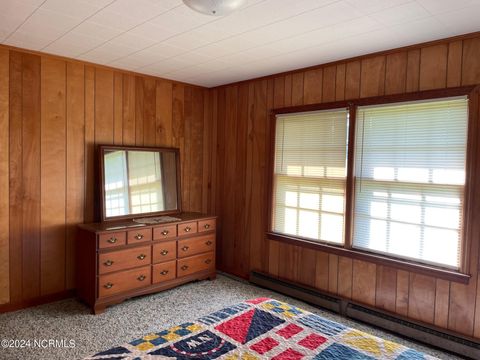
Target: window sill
445 274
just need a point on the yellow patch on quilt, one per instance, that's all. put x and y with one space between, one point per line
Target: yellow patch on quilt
268 306
287 309
150 337
369 343
248 356
145 346
194 327
391 347
170 337
243 356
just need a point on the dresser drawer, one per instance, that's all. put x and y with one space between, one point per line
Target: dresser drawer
206 225
108 240
165 232
123 281
139 235
195 264
164 271
164 251
196 245
123 259
187 228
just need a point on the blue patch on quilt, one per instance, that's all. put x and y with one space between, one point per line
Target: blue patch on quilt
137 342
339 351
325 326
156 342
411 354
262 322
223 314
278 307
119 350
203 346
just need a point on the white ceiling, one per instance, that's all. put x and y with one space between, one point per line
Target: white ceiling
165 38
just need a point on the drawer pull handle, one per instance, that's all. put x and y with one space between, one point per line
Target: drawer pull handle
108 285
141 278
165 232
108 263
141 256
164 272
184 267
206 226
139 236
208 243
164 252
208 261
187 229
185 248
112 240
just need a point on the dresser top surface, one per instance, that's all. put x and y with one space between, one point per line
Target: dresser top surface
124 225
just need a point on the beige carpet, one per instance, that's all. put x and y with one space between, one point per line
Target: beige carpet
71 320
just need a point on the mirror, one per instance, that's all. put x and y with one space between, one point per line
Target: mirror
138 181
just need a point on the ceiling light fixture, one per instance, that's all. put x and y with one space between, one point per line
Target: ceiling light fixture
215 7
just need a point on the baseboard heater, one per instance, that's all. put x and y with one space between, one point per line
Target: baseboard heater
311 296
440 338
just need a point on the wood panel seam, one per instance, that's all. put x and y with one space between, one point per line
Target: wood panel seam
65 177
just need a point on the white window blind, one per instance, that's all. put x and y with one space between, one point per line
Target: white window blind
309 174
409 180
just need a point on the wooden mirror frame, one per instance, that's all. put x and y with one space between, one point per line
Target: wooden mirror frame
101 178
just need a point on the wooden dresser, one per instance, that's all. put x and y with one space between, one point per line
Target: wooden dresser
119 260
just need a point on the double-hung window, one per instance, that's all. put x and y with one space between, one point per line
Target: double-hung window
409 180
310 175
404 197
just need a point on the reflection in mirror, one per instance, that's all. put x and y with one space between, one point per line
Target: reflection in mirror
139 182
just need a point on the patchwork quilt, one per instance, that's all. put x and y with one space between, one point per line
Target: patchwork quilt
261 329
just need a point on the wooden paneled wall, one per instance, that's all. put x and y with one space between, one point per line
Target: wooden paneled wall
241 121
52 113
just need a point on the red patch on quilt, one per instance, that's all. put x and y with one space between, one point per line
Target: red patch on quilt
264 345
249 325
257 300
312 341
237 328
288 331
288 354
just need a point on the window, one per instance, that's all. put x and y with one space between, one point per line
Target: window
376 179
409 180
310 175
